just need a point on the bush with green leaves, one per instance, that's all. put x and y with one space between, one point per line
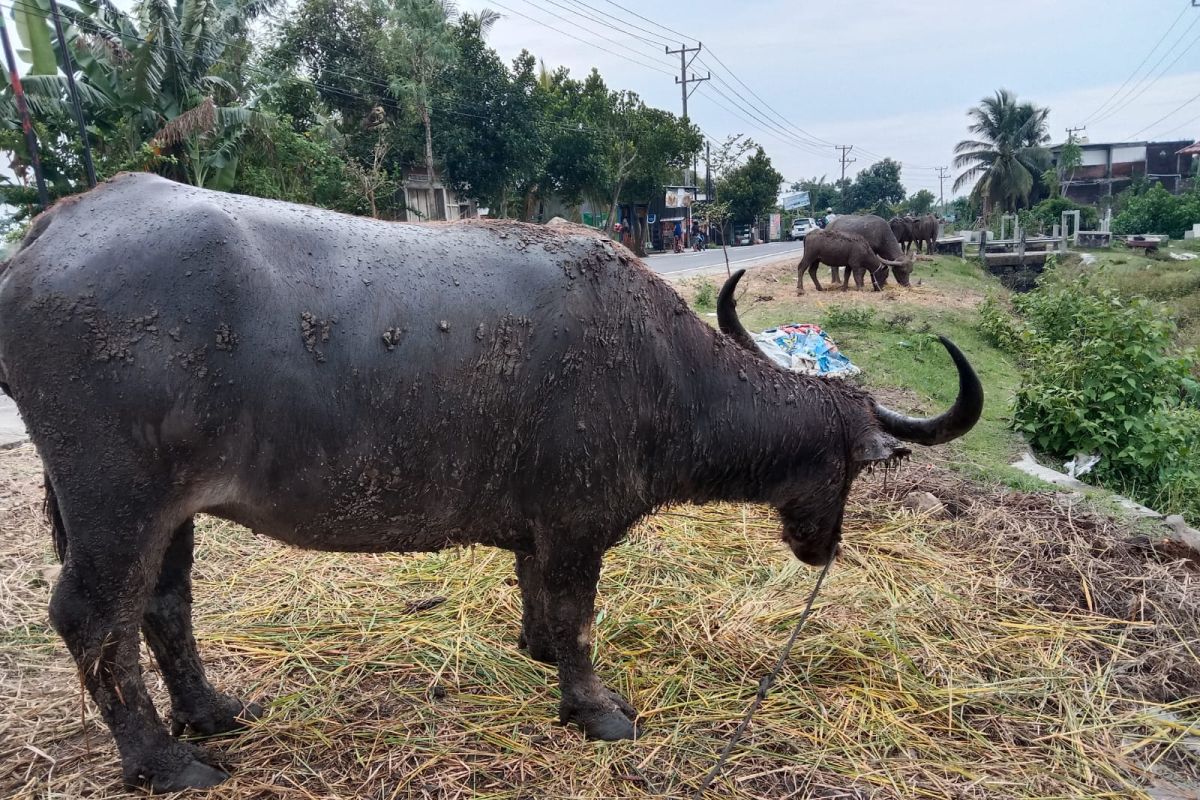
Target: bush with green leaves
1048 213
1102 376
706 295
998 326
1155 210
848 317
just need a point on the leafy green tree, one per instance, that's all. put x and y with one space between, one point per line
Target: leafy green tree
300 167
498 147
1070 158
822 194
751 189
1048 213
418 46
920 203
330 57
576 121
876 189
644 149
1008 155
728 155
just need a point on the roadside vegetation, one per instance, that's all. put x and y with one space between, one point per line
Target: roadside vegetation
1097 360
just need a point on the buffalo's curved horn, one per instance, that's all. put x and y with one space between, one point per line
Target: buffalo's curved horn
885 262
727 318
951 424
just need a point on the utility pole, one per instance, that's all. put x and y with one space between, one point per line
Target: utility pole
684 64
845 148
69 69
683 80
23 110
943 173
1072 131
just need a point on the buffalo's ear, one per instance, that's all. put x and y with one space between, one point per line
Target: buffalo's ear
873 446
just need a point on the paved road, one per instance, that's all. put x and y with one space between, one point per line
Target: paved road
11 428
680 264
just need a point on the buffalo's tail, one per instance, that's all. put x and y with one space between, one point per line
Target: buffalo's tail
54 516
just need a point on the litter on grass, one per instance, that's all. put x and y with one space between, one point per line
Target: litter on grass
804 348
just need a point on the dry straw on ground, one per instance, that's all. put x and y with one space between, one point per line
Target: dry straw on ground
1017 649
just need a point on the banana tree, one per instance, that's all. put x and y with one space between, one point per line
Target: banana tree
149 83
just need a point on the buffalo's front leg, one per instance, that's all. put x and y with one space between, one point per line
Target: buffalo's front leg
535 633
167 623
569 595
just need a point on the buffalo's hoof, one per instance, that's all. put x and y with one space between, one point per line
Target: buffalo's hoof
610 719
175 768
221 716
196 775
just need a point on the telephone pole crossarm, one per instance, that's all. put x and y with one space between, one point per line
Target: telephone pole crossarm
684 64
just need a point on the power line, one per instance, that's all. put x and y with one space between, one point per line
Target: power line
1183 124
1135 92
806 148
627 10
1170 114
1139 66
586 11
774 127
593 32
766 105
578 39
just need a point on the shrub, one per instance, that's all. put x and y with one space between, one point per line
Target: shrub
849 317
1157 211
706 296
1101 377
998 326
1048 213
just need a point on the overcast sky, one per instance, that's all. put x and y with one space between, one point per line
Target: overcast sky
892 79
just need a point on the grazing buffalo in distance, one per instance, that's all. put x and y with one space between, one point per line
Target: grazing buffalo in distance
837 249
925 233
345 384
902 230
879 235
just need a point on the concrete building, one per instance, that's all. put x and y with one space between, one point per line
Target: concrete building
422 198
1108 169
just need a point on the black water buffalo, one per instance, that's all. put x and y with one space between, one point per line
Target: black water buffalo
882 239
346 384
838 249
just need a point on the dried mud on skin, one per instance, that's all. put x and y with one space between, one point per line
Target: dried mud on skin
1018 647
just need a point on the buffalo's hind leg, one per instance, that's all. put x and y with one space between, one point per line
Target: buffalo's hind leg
535 631
167 624
113 552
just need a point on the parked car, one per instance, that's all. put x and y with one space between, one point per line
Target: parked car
800 228
741 235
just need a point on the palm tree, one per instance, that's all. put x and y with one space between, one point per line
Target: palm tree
1008 153
420 47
